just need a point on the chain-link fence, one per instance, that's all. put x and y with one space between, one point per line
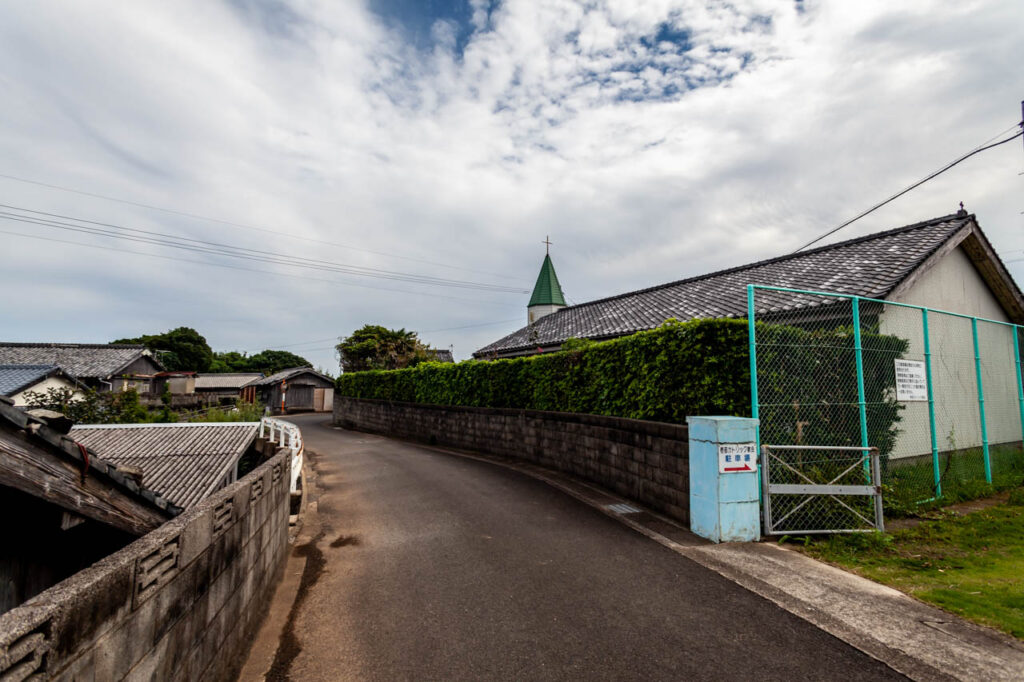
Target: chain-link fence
938 394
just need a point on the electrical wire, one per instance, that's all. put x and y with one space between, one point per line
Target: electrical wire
215 248
243 226
304 278
942 170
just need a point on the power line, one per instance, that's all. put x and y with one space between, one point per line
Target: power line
305 278
243 226
468 326
942 170
215 248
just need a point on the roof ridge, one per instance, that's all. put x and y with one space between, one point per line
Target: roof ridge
776 259
47 344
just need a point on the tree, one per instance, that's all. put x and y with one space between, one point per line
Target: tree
271 361
376 347
180 349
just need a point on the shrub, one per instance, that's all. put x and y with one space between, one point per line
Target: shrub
701 367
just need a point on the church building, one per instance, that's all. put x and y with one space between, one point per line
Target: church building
945 263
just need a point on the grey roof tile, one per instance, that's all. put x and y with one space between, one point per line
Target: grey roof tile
81 360
186 462
15 378
868 266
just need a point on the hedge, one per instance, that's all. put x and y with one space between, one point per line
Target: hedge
700 367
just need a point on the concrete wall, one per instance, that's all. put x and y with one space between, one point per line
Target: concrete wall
181 603
643 461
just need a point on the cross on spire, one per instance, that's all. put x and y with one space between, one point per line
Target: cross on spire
547 248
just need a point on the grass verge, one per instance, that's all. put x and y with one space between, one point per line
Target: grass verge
971 565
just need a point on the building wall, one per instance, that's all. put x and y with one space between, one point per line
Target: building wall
43 386
181 603
954 285
641 460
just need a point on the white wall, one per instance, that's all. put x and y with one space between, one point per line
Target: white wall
535 312
954 284
42 387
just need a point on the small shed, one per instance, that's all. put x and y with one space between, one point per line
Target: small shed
226 387
299 389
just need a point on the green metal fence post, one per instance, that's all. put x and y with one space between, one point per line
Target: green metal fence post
754 411
931 405
981 401
1020 379
860 387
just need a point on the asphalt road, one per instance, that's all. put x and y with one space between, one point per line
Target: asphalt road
436 567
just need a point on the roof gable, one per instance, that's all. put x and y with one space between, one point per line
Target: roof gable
870 266
289 374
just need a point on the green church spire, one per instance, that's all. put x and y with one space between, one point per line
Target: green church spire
547 291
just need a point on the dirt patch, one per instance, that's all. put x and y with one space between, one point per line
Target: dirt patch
289 647
345 541
959 509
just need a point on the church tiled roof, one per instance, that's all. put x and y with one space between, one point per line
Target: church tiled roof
870 266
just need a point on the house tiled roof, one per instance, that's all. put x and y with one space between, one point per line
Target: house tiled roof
186 462
15 378
80 360
226 381
870 266
441 355
288 374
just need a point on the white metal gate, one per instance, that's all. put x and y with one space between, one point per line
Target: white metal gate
820 489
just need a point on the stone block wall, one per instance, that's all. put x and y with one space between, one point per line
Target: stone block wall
180 603
640 460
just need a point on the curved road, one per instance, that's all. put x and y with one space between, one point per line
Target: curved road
430 566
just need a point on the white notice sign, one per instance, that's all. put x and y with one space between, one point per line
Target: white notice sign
911 383
735 458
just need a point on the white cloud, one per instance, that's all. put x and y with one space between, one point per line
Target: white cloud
644 161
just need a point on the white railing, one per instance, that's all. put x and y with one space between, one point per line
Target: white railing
286 435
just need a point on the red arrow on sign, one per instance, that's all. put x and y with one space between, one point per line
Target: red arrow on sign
745 467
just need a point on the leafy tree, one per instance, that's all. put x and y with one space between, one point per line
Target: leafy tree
376 347
271 361
180 349
268 361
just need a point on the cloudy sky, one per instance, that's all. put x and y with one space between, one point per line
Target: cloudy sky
400 161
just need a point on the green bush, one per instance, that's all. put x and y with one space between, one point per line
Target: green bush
701 367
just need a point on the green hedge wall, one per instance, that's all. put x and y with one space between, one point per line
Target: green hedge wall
679 369
700 367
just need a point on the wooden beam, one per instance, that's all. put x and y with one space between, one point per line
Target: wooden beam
41 473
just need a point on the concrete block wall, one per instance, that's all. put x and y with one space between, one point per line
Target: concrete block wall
640 460
180 603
